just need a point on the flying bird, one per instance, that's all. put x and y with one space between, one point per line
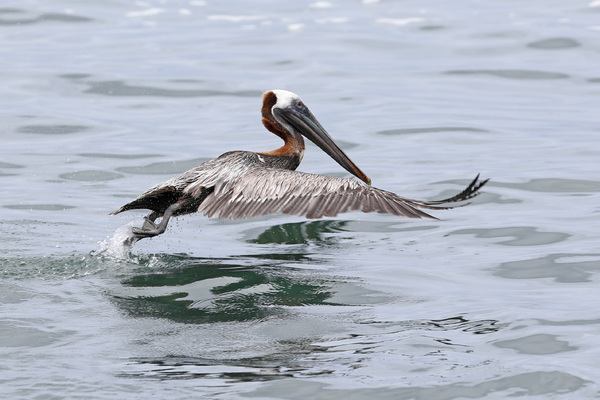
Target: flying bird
245 184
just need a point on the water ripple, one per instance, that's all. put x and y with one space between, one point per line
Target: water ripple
560 266
52 129
90 176
555 185
522 235
15 17
410 131
120 88
163 168
539 344
512 73
539 383
558 43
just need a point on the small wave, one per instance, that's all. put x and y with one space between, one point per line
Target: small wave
236 18
399 21
145 13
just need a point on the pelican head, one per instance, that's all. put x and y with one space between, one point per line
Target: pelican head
286 115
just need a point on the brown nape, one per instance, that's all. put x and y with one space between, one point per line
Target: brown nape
294 144
268 120
274 126
269 100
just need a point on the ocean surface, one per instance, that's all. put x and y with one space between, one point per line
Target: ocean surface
101 100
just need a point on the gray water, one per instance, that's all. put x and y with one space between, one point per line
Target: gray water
101 100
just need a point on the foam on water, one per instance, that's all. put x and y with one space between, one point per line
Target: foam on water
119 244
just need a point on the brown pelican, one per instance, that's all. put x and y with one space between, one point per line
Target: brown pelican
244 184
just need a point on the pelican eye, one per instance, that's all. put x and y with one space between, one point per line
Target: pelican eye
299 104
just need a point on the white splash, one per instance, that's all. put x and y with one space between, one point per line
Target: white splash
119 244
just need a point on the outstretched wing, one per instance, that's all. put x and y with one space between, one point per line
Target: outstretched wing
196 182
264 191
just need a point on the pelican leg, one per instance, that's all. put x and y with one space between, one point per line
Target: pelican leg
150 228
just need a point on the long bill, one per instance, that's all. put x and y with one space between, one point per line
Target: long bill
309 127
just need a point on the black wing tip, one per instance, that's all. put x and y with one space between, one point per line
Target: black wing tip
471 191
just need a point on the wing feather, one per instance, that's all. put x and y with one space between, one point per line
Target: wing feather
262 191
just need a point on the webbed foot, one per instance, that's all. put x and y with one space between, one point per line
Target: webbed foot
148 225
145 231
150 228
